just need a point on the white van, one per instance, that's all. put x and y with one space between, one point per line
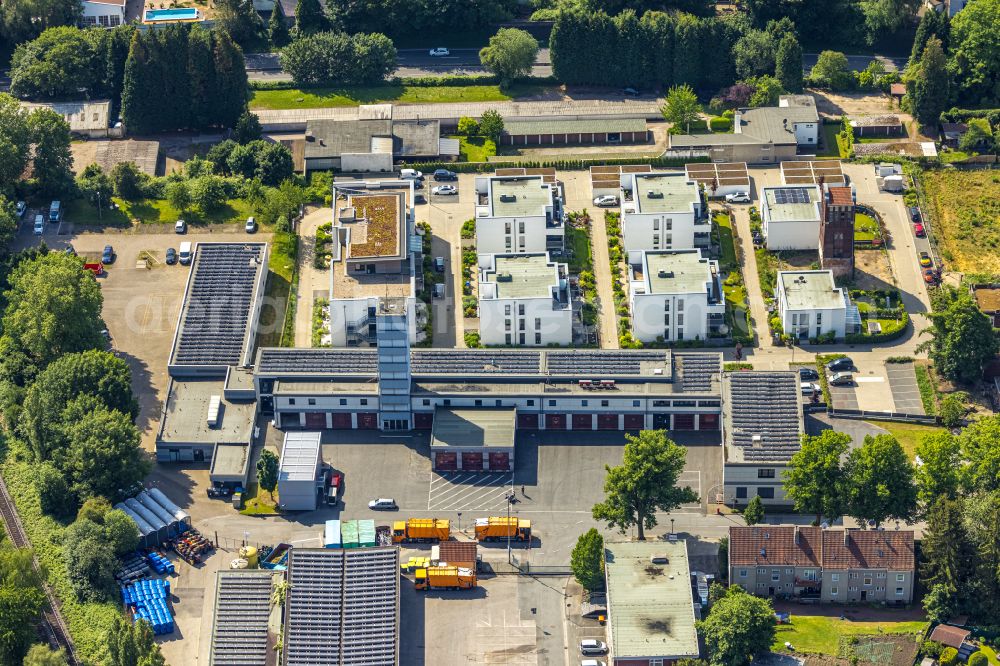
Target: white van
410 174
184 256
39 225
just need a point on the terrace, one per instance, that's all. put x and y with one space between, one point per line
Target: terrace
377 226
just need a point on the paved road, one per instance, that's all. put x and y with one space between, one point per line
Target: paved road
858 62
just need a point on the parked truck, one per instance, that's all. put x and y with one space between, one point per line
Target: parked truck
445 578
500 528
420 529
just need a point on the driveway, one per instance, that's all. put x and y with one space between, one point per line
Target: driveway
905 392
313 281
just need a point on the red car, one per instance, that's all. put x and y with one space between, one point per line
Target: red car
931 276
918 229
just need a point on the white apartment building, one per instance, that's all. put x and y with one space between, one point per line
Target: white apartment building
524 300
103 13
811 305
674 295
517 215
790 216
372 260
662 211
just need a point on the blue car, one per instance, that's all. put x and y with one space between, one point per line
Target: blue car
108 256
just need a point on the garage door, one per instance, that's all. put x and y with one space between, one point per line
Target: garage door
315 420
445 461
555 421
290 420
527 421
341 420
472 461
607 422
683 421
500 462
423 420
583 422
708 422
367 421
634 421
661 421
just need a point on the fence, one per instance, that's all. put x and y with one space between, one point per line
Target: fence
863 415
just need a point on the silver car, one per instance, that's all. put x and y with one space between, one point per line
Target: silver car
606 200
383 504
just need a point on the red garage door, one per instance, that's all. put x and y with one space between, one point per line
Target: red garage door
583 422
341 420
500 462
607 422
555 421
708 422
472 461
527 421
315 420
445 461
683 421
367 421
423 420
634 421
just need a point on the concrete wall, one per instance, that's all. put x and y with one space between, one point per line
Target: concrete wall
866 585
344 311
555 326
807 134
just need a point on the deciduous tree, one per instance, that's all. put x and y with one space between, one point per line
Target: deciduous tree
132 644
128 180
879 481
939 472
90 561
587 560
754 513
267 471
928 84
14 141
103 454
52 161
644 483
975 52
179 195
962 337
21 603
491 125
56 65
43 655
831 70
980 451
739 627
510 55
815 479
681 107
754 54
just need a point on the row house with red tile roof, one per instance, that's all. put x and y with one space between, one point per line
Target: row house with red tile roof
828 565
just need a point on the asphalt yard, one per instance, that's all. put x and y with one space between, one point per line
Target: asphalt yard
461 491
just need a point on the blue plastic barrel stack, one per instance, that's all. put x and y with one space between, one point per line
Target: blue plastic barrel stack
148 600
159 563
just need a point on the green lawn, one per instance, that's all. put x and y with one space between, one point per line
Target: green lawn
908 434
821 635
153 211
831 147
257 503
928 396
475 148
991 654
578 247
727 260
736 308
865 227
315 98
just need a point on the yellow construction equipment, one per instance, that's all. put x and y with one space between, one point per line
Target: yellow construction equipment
445 578
499 528
421 529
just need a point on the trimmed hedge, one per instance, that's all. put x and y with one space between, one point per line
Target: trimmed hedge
721 124
885 336
563 165
421 82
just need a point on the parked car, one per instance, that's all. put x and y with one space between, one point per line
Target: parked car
21 209
445 190
808 374
439 264
438 290
108 256
838 364
383 504
918 229
915 214
180 227
606 200
410 174
842 379
39 225
70 250
925 259
444 174
419 199
171 256
593 646
440 52
55 211
738 197
185 255
220 491
809 388
631 92
931 276
251 225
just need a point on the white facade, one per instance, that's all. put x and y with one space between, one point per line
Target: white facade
804 122
674 295
352 320
518 214
103 13
662 211
524 301
810 305
790 217
298 470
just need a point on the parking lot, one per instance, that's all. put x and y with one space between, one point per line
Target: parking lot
905 393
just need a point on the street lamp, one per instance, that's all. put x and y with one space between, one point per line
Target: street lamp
459 521
671 525
510 500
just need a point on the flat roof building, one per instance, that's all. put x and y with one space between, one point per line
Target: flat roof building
473 440
791 217
196 418
518 214
85 117
298 470
240 632
524 300
664 193
650 603
662 211
369 143
555 130
674 295
811 305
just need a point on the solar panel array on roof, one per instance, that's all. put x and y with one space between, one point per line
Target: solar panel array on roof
242 607
604 362
218 303
459 362
695 372
791 195
764 414
274 360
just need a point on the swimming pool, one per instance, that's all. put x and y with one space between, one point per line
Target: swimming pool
160 15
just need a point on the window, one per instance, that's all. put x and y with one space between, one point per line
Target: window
506 324
670 224
899 591
604 403
680 303
506 243
507 337
506 309
656 224
666 320
880 589
552 403
819 318
775 575
761 572
426 402
661 403
834 578
520 227
684 403
741 492
880 574
680 333
499 402
765 493
520 327
635 403
670 240
868 581
506 227
743 573
538 323
833 591
479 403
538 338
291 401
656 239
789 572
364 401
900 578
680 318
852 588
531 403
709 403
583 403
522 336
666 305
520 309
447 402
760 585
765 473
809 574
312 401
854 576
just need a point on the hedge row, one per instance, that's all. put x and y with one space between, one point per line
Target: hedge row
962 115
564 165
421 82
885 336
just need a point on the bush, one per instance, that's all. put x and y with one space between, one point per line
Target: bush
978 659
721 123
53 491
468 126
949 657
953 410
472 340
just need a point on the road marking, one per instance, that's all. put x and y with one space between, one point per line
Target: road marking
869 380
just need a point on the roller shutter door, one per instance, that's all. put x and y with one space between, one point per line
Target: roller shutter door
445 461
472 461
341 420
315 420
527 421
661 421
683 421
583 422
607 422
708 422
367 421
634 421
423 420
555 421
499 461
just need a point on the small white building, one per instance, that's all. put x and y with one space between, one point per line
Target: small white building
518 214
790 216
674 295
662 211
298 471
85 118
103 13
524 301
811 305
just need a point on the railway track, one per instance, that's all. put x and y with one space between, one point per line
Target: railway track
52 623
